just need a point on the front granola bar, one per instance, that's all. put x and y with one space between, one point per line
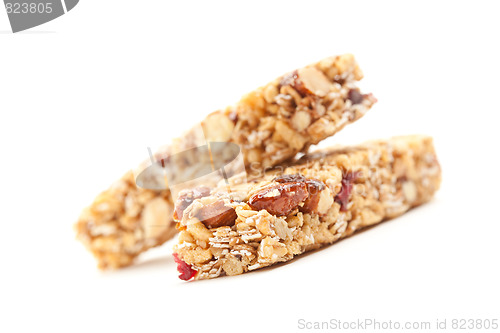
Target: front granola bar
325 196
271 124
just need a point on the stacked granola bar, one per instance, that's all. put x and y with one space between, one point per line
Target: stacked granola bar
323 197
270 125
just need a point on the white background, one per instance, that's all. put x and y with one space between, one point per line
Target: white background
83 96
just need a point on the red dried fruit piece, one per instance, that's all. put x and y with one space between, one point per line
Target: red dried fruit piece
187 197
279 199
185 270
355 96
216 214
343 196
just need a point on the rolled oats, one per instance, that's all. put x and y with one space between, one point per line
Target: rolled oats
348 190
271 125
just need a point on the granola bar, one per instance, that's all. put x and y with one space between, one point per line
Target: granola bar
275 122
270 125
324 197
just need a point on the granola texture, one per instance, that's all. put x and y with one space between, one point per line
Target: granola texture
270 125
275 122
326 196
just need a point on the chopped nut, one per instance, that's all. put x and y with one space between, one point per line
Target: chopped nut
314 81
270 248
282 229
198 230
301 120
308 81
325 201
409 191
185 236
216 214
218 127
263 224
186 197
295 221
320 129
327 66
279 199
294 139
318 203
197 255
347 64
270 92
232 266
319 198
155 217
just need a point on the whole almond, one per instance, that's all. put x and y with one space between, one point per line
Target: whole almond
279 199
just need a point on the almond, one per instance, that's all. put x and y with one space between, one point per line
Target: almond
308 81
218 127
186 198
155 218
409 191
301 120
279 199
216 214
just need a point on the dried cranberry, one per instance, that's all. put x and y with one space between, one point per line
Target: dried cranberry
182 267
343 196
355 96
